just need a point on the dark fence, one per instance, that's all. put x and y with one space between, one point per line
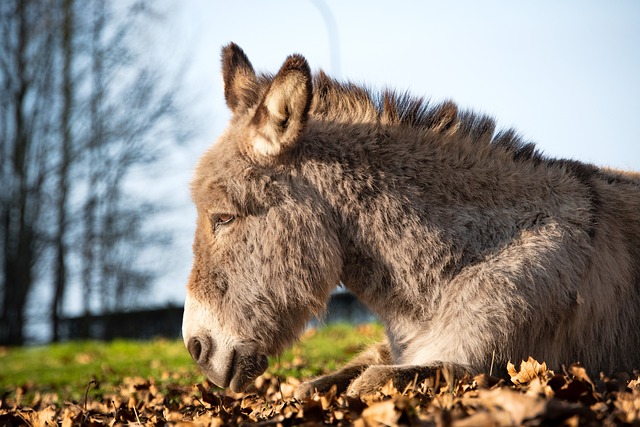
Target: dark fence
142 324
345 307
167 322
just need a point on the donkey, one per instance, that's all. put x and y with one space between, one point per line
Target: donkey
470 246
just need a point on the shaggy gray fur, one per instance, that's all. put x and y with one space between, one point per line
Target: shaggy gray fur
467 243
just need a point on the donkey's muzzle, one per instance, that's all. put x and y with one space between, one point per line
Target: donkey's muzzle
225 359
235 368
216 362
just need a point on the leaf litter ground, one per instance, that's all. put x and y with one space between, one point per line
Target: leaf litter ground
535 396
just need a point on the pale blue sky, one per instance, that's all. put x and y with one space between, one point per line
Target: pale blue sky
565 74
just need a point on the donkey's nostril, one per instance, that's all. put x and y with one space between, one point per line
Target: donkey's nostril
195 348
198 348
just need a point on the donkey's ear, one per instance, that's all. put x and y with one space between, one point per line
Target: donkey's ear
240 83
282 113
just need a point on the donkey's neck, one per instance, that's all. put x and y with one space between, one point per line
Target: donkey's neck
415 207
385 191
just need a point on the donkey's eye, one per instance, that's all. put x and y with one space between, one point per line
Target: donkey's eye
221 219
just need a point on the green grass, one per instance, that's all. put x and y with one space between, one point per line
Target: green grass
324 350
68 368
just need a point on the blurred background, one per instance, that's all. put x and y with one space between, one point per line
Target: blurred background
105 108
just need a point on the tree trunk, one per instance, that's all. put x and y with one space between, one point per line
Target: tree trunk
64 168
18 251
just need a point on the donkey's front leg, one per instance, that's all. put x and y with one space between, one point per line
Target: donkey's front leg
377 354
375 377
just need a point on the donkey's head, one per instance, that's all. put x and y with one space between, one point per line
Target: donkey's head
266 253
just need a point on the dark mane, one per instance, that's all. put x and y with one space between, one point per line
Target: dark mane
338 101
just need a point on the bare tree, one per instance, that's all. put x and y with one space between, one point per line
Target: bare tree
83 111
129 111
26 65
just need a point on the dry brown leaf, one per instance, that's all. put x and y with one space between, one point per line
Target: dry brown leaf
629 405
529 370
516 405
287 390
484 381
381 413
580 373
389 389
327 399
573 421
47 416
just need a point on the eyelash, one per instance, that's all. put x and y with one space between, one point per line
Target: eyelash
221 219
